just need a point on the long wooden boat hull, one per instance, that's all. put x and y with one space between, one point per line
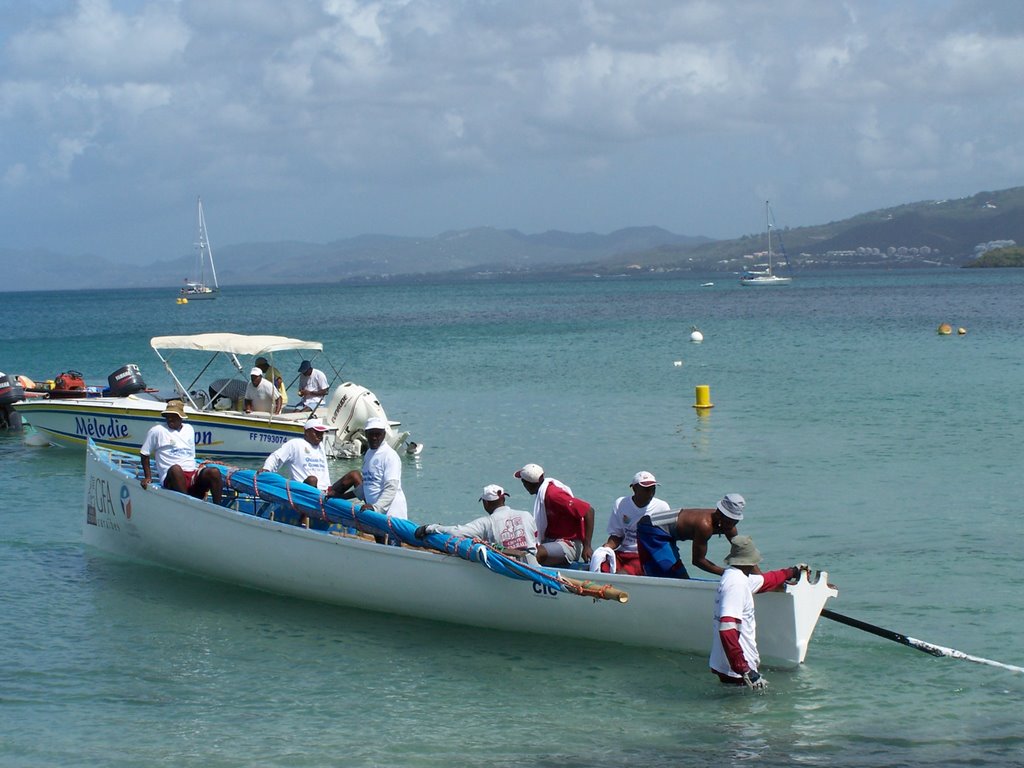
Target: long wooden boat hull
231 544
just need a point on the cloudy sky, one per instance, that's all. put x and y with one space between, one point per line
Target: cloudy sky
317 120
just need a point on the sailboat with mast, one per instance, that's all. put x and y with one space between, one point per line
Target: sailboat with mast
199 288
767 276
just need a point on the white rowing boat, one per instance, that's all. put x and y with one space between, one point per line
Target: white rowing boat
250 541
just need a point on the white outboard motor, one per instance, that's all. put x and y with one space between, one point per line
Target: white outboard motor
346 412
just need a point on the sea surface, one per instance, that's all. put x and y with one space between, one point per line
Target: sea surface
865 444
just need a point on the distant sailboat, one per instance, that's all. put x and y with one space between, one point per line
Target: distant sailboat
199 288
766 277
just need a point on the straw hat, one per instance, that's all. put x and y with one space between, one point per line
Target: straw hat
176 407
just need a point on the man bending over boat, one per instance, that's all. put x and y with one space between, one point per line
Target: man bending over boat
172 446
512 529
657 534
734 656
626 513
305 458
565 524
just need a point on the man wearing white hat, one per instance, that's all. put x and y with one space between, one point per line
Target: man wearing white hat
379 484
511 528
657 535
304 456
565 524
626 513
734 656
261 394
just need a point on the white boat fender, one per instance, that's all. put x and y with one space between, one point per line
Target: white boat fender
696 336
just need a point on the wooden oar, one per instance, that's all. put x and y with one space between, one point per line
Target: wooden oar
920 645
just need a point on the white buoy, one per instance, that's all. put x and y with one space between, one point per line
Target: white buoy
678 363
36 439
696 336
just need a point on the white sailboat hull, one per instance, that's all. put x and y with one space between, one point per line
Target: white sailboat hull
218 542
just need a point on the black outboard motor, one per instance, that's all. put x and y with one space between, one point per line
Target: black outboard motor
126 380
10 392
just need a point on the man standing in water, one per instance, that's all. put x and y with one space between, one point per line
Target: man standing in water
172 445
734 656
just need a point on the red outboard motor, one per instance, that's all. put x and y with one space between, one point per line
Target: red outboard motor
69 384
126 380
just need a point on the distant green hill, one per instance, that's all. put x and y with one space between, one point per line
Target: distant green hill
1000 257
929 233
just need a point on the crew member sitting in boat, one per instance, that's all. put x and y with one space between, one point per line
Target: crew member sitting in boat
565 524
313 386
305 459
379 484
261 394
620 548
270 373
513 530
172 446
657 534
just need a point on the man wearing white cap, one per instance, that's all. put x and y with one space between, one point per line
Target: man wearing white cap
261 394
626 513
565 524
379 484
657 535
304 456
511 528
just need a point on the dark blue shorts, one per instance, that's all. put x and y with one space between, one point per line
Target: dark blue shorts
659 554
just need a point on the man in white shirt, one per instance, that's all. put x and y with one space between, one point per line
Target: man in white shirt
304 457
261 394
313 386
626 512
379 484
171 446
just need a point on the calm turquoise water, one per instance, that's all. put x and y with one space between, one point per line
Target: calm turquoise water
864 443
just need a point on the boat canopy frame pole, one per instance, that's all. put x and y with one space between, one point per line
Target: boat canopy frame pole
182 390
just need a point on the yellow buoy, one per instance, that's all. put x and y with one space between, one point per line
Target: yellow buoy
945 329
182 300
703 397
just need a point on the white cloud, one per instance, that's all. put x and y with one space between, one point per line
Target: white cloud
372 101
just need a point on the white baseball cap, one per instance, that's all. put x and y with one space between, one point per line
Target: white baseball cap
317 424
531 473
256 372
646 479
493 493
375 422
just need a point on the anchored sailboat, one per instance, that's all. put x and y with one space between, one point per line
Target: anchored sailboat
766 277
199 288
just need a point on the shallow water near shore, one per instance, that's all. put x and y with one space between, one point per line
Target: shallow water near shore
864 443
